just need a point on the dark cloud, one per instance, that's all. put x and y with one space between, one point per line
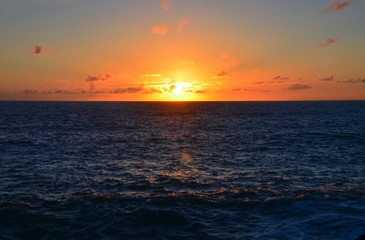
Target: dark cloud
299 87
338 5
359 80
30 91
327 79
328 42
236 89
120 90
134 89
279 77
222 74
66 92
37 50
129 90
93 78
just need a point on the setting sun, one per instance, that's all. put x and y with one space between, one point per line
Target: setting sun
179 88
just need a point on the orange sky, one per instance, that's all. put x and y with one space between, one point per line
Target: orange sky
167 50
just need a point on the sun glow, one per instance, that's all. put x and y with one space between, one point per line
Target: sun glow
180 88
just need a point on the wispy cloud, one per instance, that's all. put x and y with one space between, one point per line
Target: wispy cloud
236 89
102 77
222 74
181 24
279 77
359 80
327 79
161 29
299 87
328 42
30 91
260 82
129 89
165 4
338 5
68 92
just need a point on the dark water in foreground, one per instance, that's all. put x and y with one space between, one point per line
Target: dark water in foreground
248 170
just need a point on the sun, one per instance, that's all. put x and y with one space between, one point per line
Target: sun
180 88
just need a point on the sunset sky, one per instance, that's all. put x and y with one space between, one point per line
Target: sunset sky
167 50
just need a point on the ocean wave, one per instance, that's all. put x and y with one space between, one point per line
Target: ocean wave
219 215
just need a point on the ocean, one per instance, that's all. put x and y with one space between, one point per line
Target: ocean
182 170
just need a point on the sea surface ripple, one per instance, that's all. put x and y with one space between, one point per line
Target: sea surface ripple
182 170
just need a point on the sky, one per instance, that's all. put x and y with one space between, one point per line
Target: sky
182 50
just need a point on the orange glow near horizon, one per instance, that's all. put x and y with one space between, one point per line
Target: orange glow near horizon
178 51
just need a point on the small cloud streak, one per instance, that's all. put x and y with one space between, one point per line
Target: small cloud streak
327 79
30 91
165 4
129 89
222 74
236 89
37 50
338 5
299 87
181 24
161 29
100 77
328 42
279 77
359 80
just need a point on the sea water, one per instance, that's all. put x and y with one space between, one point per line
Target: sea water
182 170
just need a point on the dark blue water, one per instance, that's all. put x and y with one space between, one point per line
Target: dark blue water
215 170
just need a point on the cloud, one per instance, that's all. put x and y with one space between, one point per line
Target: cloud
327 79
328 42
30 91
161 29
236 89
279 77
338 5
199 91
359 80
172 88
37 50
181 24
129 89
222 74
165 4
299 87
152 90
153 75
259 82
59 91
102 76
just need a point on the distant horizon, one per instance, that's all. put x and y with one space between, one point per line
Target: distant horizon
187 101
